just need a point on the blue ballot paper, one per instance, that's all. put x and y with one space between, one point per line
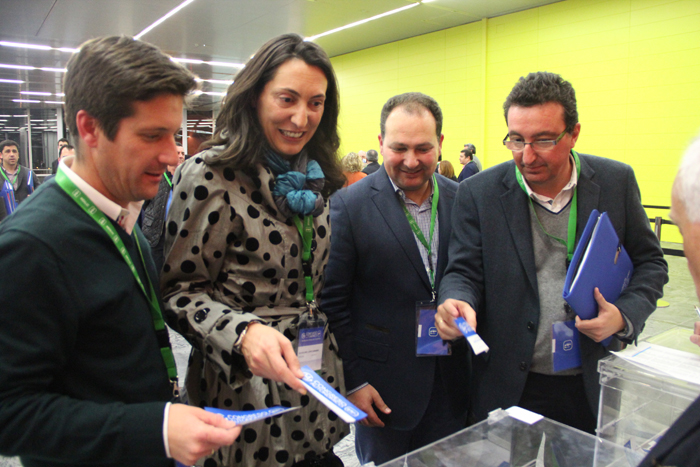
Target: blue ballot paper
330 397
600 261
250 416
475 341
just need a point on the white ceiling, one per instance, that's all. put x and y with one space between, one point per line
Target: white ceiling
221 30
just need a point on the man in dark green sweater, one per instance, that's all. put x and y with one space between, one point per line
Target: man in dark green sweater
85 360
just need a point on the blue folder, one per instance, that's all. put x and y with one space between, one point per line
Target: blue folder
600 261
8 197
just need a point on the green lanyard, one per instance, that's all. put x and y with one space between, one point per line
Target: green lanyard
305 231
98 216
416 230
167 179
12 182
571 234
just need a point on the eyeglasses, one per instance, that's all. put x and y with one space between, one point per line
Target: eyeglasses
542 144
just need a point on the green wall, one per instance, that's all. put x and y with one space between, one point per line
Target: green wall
635 65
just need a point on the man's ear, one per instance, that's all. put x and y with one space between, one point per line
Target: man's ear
87 128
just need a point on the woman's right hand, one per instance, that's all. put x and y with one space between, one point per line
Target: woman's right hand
270 355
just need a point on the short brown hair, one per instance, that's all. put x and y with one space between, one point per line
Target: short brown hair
412 102
108 74
540 88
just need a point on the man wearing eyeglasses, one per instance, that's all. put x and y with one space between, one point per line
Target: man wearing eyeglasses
509 253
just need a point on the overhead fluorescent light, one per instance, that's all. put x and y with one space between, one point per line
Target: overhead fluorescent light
366 20
27 67
232 65
28 101
163 18
187 60
25 46
36 46
36 93
197 93
195 61
13 81
54 102
17 67
216 81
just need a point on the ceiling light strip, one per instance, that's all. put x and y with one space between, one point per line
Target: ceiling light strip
357 23
202 62
38 47
163 18
27 67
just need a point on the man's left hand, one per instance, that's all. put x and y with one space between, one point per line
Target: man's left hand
608 322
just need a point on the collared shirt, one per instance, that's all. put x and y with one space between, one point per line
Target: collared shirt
126 218
560 201
422 216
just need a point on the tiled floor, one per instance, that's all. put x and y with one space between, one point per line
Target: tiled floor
679 292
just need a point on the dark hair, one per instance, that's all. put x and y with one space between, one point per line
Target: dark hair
471 147
238 126
109 74
446 169
372 155
540 88
467 153
62 140
411 102
8 142
67 147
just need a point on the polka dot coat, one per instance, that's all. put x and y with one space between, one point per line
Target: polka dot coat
231 257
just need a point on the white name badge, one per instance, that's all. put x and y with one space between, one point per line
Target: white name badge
309 342
330 397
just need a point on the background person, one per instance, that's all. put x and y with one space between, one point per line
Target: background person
352 168
22 179
234 275
372 164
54 165
155 211
470 168
447 170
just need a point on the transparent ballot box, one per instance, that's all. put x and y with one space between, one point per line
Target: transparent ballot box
637 404
503 441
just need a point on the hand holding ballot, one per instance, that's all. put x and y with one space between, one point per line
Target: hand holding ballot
448 312
608 322
270 355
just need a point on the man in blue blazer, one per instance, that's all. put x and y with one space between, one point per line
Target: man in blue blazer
509 254
387 255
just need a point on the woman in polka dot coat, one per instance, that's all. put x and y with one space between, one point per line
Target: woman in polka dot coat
233 280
